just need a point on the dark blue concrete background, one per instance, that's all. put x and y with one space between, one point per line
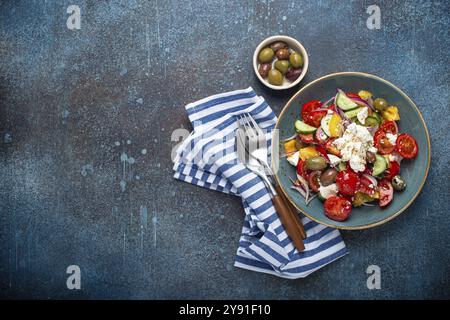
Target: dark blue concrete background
72 102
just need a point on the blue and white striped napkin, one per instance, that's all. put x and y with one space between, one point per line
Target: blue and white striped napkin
208 158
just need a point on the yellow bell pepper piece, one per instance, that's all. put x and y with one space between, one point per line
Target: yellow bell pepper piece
308 152
365 94
391 113
289 146
335 125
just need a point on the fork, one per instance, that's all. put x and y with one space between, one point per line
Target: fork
260 153
250 133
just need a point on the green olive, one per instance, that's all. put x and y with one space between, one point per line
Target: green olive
296 60
266 55
275 77
380 104
316 163
282 66
283 54
398 183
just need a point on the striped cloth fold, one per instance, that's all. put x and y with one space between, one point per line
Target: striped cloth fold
208 158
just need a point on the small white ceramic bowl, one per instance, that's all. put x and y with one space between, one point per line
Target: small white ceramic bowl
292 44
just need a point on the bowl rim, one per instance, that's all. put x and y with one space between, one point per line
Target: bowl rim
280 38
370 225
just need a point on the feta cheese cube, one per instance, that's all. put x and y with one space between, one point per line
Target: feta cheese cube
334 160
293 158
328 191
353 146
362 115
391 137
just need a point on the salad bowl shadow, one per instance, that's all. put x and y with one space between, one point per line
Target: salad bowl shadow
414 171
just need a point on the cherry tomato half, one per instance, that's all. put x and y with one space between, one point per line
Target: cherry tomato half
407 146
366 186
389 127
386 192
313 118
337 208
310 106
392 171
301 168
347 182
382 143
313 180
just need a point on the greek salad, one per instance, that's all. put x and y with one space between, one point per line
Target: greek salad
348 152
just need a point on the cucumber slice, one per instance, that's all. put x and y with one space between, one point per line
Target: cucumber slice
379 166
344 102
302 127
377 116
354 112
371 121
325 124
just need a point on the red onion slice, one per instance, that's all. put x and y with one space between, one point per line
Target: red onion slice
291 137
342 114
372 179
310 199
325 105
368 204
320 135
372 130
361 102
299 190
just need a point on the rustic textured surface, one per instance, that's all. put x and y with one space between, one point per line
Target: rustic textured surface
72 102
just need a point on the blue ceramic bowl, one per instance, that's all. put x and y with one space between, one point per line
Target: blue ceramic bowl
414 171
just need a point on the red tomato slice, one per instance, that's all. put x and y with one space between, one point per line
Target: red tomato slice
347 182
310 106
301 168
313 118
392 171
332 107
337 208
386 192
352 95
366 186
306 138
407 146
382 143
323 152
313 180
389 127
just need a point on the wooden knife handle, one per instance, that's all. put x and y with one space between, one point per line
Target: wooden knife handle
288 222
292 210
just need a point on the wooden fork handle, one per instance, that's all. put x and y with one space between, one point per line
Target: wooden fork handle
292 210
288 222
